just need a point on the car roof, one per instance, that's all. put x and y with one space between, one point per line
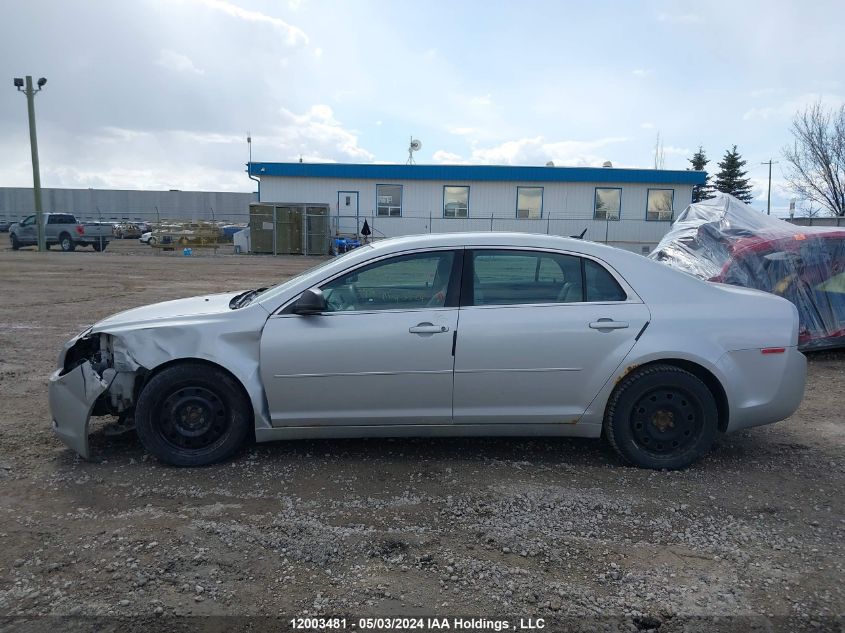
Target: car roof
493 239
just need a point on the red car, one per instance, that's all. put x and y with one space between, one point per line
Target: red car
726 241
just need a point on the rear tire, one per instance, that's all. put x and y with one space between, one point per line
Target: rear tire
661 416
193 414
99 247
66 242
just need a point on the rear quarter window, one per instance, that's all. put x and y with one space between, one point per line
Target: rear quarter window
600 284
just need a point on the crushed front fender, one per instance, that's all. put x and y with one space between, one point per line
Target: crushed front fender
72 397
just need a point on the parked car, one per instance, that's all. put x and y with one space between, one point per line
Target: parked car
194 234
450 334
126 230
147 238
724 240
4 226
61 229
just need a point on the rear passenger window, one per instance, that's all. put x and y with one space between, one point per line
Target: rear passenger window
520 277
601 286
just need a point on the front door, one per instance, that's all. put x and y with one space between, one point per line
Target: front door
347 213
381 353
540 333
27 231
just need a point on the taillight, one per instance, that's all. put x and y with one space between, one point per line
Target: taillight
773 350
80 229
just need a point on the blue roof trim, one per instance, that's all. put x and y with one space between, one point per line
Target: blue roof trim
454 173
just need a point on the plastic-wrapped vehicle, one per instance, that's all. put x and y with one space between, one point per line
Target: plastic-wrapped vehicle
725 240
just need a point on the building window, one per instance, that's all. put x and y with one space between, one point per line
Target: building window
389 200
529 202
659 205
455 202
608 204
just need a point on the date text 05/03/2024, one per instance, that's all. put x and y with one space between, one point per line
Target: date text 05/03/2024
416 624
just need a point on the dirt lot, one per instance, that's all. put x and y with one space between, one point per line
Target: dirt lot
554 529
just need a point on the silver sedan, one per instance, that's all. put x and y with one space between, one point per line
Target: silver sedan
444 335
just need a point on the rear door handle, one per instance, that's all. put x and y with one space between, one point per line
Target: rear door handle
428 328
608 324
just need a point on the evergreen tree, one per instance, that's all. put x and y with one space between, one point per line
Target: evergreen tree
699 162
732 177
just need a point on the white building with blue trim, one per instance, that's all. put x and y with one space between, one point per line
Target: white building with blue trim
628 208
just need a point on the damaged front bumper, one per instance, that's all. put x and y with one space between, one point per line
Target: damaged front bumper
72 398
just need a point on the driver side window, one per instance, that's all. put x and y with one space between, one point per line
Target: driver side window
406 282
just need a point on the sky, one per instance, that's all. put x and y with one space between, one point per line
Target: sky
160 94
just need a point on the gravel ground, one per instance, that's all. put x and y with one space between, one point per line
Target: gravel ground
552 528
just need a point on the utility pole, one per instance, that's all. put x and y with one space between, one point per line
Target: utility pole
30 93
769 162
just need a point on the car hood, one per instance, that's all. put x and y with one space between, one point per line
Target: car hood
177 309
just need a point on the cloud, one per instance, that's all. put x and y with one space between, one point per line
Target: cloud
641 72
679 18
318 52
535 151
647 125
177 62
462 131
765 92
447 158
317 136
294 35
481 100
788 108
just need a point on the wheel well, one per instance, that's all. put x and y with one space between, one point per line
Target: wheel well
193 361
705 376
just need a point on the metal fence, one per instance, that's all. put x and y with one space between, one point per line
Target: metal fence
608 231
823 221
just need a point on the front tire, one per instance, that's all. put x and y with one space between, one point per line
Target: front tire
192 414
661 416
66 242
16 244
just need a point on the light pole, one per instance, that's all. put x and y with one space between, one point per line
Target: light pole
30 93
769 162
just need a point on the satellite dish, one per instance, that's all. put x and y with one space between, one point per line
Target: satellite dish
551 163
414 146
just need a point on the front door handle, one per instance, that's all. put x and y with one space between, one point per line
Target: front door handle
428 328
608 324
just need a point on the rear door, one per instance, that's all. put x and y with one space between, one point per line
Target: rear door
540 333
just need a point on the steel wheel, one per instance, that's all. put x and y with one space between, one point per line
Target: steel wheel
661 416
666 420
192 417
193 414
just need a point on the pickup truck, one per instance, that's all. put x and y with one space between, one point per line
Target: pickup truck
62 229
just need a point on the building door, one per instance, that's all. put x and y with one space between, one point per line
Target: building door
347 212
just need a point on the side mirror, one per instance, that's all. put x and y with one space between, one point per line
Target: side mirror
311 301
